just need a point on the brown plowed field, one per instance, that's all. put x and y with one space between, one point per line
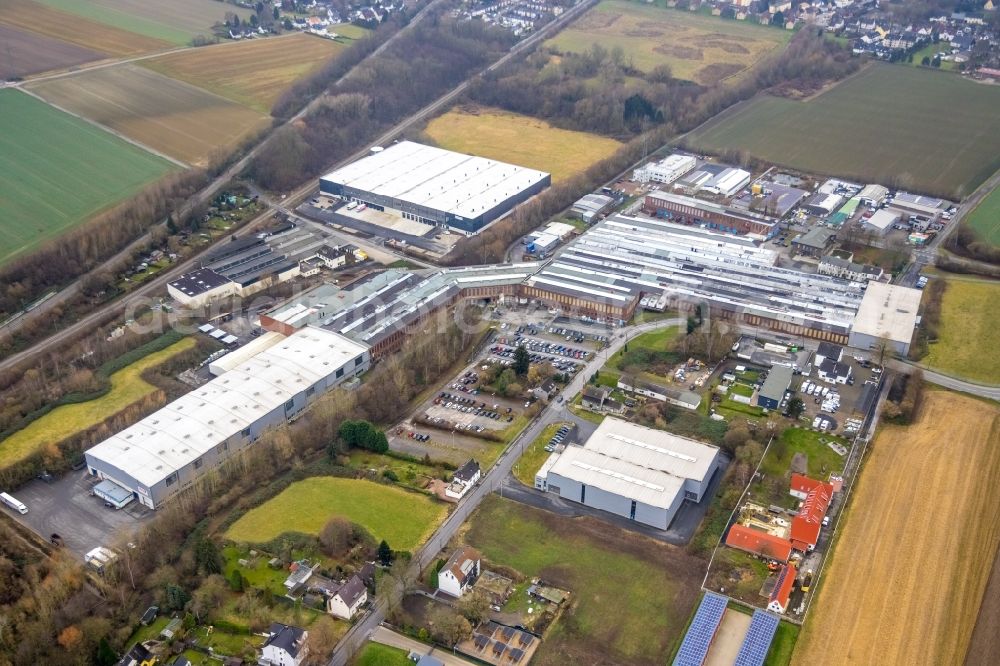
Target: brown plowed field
38 18
23 53
908 573
169 116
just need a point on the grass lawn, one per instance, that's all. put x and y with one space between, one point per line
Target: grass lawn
630 596
741 389
414 475
519 140
741 574
930 50
782 645
534 456
404 519
700 48
969 331
56 171
258 574
935 132
127 387
376 654
985 218
822 459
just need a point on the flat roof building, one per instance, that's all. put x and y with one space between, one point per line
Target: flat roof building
697 212
435 186
772 392
881 222
636 472
916 203
814 242
887 311
666 170
169 449
592 206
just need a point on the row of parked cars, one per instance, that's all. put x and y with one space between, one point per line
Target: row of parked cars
420 437
470 406
557 438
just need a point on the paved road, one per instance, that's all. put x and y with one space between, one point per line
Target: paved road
491 482
983 391
389 637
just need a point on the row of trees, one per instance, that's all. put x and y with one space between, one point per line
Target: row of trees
414 70
361 434
73 254
905 397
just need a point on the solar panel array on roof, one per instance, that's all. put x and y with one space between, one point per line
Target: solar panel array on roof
516 655
702 630
481 641
758 639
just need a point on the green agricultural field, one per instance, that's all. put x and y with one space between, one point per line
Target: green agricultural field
127 388
57 170
985 218
376 654
174 21
404 519
700 48
630 596
969 332
920 129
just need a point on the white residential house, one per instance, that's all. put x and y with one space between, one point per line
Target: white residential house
348 600
285 646
460 572
464 478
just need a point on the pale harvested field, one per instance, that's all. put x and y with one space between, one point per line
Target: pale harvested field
704 49
253 73
169 116
43 20
520 140
907 576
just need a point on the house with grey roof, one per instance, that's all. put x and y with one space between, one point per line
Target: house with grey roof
285 646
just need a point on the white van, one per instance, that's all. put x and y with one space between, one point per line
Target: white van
352 205
13 503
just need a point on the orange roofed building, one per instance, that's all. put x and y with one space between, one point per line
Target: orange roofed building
778 601
759 543
806 525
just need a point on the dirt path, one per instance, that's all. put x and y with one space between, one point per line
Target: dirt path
728 639
908 574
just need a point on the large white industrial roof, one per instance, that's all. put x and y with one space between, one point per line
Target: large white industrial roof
459 184
195 423
888 310
633 461
239 356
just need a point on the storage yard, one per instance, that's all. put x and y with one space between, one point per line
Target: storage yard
65 167
177 119
703 49
921 119
517 139
927 545
253 73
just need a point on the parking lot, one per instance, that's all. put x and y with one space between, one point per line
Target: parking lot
65 507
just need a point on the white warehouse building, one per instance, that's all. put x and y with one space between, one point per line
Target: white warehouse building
635 472
666 170
169 449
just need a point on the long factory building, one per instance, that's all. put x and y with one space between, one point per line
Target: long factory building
434 186
168 450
